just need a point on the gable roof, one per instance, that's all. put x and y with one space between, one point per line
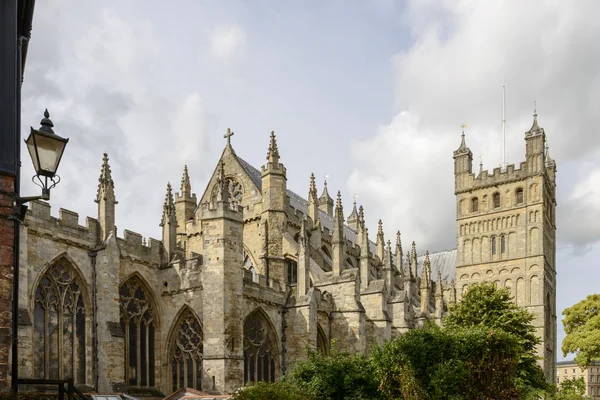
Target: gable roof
445 261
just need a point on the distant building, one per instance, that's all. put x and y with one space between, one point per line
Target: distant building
591 376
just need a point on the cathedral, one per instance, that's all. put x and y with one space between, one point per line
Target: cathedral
249 275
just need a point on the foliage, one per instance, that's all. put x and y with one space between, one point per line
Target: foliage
486 306
282 390
340 375
582 328
433 363
570 389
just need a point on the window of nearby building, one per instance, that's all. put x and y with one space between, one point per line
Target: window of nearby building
261 354
519 195
474 204
138 323
493 245
59 326
496 200
186 353
503 244
291 271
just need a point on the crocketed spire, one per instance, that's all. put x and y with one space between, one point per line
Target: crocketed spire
312 190
223 185
186 187
273 154
169 215
354 215
438 284
106 186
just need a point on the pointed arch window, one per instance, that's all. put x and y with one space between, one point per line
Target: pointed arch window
138 323
186 353
322 343
59 326
291 267
261 354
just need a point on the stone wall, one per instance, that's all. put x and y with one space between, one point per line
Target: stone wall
7 184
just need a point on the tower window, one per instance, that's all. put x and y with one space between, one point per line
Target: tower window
503 244
493 245
519 195
291 271
474 204
496 200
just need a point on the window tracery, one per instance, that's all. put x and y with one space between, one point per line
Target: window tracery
261 355
59 327
186 353
138 323
235 192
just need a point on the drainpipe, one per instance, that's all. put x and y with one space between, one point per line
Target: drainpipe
93 253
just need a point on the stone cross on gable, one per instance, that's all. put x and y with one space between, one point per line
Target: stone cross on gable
228 136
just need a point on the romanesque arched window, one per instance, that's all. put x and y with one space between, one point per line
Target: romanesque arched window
261 353
519 195
493 245
496 200
138 321
186 353
59 327
474 204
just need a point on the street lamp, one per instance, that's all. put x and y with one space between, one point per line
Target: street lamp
45 149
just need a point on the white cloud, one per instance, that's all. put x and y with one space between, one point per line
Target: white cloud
227 42
461 55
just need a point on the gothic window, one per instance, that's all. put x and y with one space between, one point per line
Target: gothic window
519 195
322 343
235 192
291 268
503 244
186 353
474 204
496 200
261 355
138 323
59 326
493 245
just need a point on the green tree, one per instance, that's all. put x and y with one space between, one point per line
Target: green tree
486 306
434 363
570 389
338 376
582 328
282 390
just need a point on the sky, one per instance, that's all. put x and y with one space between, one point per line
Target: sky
370 94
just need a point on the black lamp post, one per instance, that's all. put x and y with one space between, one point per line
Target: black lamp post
46 149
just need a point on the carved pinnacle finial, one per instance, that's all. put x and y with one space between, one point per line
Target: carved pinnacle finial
427 262
398 240
338 202
186 187
168 207
534 109
273 153
312 191
325 195
380 228
106 185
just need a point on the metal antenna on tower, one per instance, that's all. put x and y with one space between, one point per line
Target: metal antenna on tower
503 166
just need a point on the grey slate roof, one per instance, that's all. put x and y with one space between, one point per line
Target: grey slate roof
445 261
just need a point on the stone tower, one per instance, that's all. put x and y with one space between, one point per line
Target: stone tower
223 361
506 230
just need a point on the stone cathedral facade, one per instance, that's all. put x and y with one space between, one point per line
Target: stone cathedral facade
250 274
